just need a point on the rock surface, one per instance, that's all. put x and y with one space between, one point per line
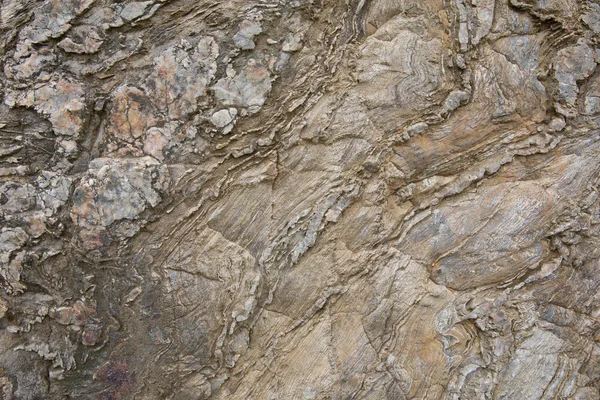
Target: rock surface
300 199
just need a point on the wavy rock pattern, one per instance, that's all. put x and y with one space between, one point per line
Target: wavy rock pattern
300 199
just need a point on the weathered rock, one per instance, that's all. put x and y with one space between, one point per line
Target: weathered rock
62 101
83 39
573 64
114 190
134 9
300 199
244 37
248 88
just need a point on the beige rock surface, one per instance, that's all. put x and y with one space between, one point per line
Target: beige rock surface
300 199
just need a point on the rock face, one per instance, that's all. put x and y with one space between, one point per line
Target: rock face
300 199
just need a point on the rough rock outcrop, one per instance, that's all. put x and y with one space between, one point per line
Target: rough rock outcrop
300 199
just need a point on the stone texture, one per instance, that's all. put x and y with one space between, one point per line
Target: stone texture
298 199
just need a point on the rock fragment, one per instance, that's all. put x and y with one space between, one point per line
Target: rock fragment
83 39
224 119
248 88
573 64
244 37
293 42
134 10
114 190
62 101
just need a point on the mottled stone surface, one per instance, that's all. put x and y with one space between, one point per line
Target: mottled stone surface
300 199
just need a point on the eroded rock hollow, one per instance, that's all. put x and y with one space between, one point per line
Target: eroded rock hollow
299 199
